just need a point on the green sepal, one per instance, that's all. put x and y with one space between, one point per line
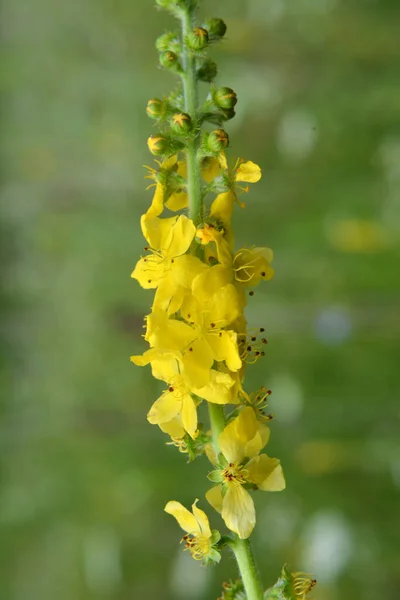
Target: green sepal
215 476
290 586
207 70
233 590
168 41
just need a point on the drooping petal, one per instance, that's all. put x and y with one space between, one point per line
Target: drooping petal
218 390
214 497
202 520
249 172
222 208
173 428
157 231
164 364
182 236
224 347
164 409
210 169
197 362
165 333
177 201
257 443
266 473
230 444
189 415
238 511
209 281
157 204
186 519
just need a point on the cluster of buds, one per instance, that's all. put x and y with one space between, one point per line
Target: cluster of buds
199 342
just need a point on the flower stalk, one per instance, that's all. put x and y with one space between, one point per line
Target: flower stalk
199 342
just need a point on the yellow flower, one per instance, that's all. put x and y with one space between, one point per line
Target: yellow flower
223 205
178 399
240 443
173 196
203 339
168 268
251 265
199 538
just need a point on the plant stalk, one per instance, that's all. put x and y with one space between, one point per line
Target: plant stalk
241 548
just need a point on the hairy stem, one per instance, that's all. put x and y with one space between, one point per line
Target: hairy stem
241 548
247 568
190 92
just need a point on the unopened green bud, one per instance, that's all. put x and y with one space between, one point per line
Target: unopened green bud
155 108
168 41
170 4
218 140
216 28
227 113
181 123
198 39
224 97
207 71
170 60
158 144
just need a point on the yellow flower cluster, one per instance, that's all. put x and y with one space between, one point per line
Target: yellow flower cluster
198 339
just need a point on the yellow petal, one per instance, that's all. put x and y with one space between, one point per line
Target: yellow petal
246 425
148 271
218 390
238 511
224 306
257 443
164 364
202 520
214 497
189 415
164 409
186 520
222 207
173 428
157 231
157 204
209 281
186 268
266 473
249 172
223 345
230 443
197 362
165 333
177 201
183 232
210 169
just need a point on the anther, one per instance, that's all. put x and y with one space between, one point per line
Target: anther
253 339
248 348
264 340
149 281
145 248
170 389
261 353
251 293
212 324
263 274
190 349
262 329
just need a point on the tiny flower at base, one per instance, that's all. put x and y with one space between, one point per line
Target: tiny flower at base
199 539
291 586
241 464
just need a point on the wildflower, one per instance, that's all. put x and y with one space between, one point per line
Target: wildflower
241 464
203 339
169 180
199 539
167 268
178 398
251 265
291 586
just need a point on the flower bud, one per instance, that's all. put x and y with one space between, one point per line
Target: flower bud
218 140
155 108
216 28
224 97
181 123
227 114
170 4
168 41
170 60
158 144
207 71
198 39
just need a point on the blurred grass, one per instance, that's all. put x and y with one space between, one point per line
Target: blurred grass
84 476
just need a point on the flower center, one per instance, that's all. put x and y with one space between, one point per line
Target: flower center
198 545
235 473
302 585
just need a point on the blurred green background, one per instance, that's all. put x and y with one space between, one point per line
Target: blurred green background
84 476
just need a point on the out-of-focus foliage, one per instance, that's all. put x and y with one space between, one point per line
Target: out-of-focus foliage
84 476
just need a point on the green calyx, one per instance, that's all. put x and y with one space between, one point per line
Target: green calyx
168 41
224 98
216 28
170 60
290 586
197 39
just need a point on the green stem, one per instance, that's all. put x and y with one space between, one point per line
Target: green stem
217 420
241 548
247 568
189 81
